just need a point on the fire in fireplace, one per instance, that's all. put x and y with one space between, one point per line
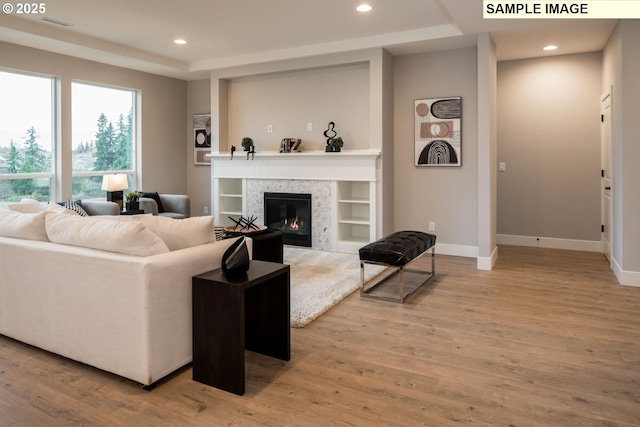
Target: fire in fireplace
291 214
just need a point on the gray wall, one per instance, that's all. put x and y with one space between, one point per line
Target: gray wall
549 138
447 196
198 177
163 109
290 100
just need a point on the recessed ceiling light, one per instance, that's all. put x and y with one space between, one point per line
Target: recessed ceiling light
180 41
550 47
364 8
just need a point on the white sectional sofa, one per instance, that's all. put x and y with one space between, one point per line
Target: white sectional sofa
70 292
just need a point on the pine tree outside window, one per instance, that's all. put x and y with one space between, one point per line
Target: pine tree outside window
26 137
103 139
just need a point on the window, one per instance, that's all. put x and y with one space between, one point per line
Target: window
103 129
26 137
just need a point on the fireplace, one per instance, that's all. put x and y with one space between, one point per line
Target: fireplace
291 214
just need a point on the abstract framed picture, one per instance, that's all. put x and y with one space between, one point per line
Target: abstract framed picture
201 139
438 139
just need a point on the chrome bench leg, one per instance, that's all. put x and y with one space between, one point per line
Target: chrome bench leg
366 292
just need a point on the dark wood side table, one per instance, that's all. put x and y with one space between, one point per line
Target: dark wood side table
233 314
132 212
267 245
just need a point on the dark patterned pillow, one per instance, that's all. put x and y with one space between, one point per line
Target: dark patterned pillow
155 196
75 206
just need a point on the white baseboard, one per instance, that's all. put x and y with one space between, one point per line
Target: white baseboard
550 243
486 263
627 278
483 263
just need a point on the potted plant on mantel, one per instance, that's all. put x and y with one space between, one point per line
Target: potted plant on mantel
133 203
336 143
247 143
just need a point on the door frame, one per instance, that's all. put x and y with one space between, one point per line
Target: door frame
606 165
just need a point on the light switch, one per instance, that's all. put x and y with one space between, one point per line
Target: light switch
502 166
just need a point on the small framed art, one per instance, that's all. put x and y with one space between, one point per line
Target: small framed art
438 140
201 139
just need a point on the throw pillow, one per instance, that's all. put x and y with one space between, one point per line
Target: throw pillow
27 206
130 238
75 206
155 196
180 233
28 226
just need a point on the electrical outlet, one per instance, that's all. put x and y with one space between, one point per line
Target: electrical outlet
269 128
432 226
206 209
309 126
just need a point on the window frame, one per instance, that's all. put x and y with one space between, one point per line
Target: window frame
135 140
61 173
52 174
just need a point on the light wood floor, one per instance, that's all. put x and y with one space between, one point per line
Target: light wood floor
548 338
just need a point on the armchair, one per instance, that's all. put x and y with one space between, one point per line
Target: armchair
170 205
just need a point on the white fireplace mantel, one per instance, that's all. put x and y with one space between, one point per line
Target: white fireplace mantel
347 165
344 185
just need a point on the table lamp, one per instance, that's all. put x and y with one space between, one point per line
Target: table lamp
113 184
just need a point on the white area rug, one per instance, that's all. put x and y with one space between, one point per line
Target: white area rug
320 280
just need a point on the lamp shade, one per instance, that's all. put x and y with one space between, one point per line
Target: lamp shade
115 182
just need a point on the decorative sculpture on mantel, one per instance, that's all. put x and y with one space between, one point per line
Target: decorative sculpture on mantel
233 149
334 142
330 133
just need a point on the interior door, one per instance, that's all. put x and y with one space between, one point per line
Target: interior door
605 138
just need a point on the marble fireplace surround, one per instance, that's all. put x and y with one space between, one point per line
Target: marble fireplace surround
313 172
322 231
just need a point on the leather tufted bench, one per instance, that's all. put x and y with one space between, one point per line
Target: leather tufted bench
397 250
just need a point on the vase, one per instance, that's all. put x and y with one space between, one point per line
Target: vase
133 206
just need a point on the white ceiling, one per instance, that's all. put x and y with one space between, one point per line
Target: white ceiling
139 34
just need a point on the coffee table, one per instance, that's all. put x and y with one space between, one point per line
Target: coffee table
233 314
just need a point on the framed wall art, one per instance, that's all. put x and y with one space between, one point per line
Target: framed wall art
437 132
201 139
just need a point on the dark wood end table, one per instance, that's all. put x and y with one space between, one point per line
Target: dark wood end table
132 212
233 314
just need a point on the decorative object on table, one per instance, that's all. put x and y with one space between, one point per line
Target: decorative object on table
438 140
288 145
133 200
233 149
201 139
329 134
114 184
336 144
245 225
247 143
251 152
235 260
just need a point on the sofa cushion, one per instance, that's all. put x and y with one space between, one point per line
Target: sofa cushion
180 233
27 206
56 207
28 226
131 238
155 196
